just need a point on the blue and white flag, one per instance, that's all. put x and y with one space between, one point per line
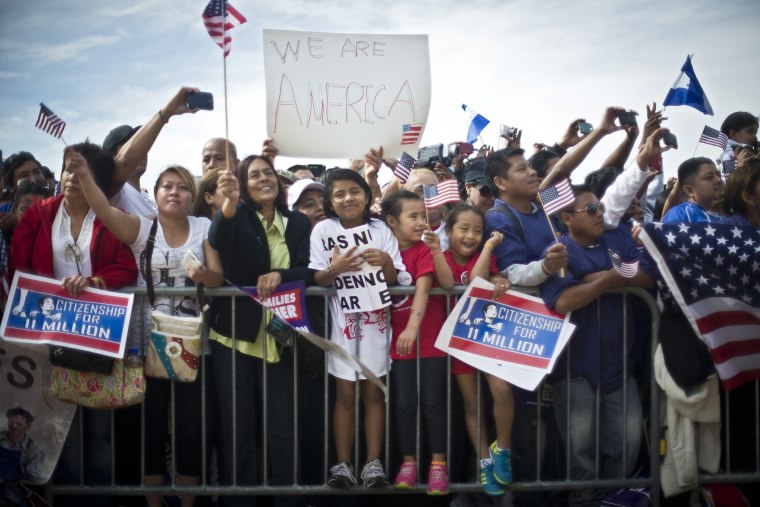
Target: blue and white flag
686 91
477 123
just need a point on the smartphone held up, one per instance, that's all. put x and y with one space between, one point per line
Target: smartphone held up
200 100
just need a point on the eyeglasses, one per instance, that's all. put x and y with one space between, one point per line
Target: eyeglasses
74 254
592 207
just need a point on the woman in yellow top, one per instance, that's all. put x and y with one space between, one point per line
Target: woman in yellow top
263 244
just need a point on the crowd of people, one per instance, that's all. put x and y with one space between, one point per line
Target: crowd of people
252 225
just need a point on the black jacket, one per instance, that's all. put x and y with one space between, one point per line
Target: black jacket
242 245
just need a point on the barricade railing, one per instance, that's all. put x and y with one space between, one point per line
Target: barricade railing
308 426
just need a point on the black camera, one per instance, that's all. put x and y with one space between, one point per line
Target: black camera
669 139
429 156
317 169
627 118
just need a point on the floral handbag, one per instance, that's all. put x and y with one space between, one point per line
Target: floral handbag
123 387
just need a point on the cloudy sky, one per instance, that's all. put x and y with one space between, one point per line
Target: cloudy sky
535 65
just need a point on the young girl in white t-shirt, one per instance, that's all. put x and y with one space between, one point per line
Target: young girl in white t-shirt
363 334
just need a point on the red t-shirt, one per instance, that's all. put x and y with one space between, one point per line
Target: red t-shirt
419 262
461 274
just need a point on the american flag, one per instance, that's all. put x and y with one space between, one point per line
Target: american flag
218 22
443 192
729 166
626 269
410 133
49 122
556 197
713 137
713 273
404 167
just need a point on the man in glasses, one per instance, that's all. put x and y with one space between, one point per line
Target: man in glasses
601 352
479 193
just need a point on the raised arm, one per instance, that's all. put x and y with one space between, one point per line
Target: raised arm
442 270
122 225
572 159
138 146
373 160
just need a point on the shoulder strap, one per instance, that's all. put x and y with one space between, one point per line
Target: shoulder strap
504 210
149 260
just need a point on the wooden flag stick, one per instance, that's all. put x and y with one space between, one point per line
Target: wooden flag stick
554 232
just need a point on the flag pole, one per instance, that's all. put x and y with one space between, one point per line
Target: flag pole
64 140
224 65
554 231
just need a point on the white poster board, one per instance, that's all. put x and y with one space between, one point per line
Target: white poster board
332 95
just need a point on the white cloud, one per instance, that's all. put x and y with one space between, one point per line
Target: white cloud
4 74
55 52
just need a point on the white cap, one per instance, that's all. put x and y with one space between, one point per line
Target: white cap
299 187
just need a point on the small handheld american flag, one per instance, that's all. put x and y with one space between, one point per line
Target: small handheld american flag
440 194
556 197
713 137
404 167
48 121
410 133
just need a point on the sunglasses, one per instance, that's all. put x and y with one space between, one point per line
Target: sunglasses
484 189
592 207
74 254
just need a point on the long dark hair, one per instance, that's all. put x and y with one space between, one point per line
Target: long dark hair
280 203
342 175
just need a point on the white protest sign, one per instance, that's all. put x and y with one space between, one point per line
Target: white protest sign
516 338
358 291
332 95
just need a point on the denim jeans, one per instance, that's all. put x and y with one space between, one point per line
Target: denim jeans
576 400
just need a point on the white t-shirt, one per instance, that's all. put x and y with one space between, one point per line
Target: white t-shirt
166 266
372 346
132 201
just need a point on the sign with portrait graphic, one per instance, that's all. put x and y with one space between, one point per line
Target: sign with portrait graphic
516 337
332 92
40 311
33 424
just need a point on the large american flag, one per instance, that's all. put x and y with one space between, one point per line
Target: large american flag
556 197
713 273
713 137
49 122
443 192
218 22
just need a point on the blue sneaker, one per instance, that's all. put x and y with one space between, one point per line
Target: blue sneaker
488 481
502 468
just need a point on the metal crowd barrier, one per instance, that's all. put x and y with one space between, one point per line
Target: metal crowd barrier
208 487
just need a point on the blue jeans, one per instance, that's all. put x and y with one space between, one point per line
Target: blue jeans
576 400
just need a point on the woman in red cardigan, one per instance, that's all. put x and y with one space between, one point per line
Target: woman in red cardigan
67 242
61 238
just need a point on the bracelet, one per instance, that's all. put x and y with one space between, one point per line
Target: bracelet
331 271
435 252
544 268
163 118
489 245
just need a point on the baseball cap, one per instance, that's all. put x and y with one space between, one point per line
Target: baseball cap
299 187
117 136
476 172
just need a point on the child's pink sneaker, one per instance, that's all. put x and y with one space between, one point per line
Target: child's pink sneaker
407 476
438 480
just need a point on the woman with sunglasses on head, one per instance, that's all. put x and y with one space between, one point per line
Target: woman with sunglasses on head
62 238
